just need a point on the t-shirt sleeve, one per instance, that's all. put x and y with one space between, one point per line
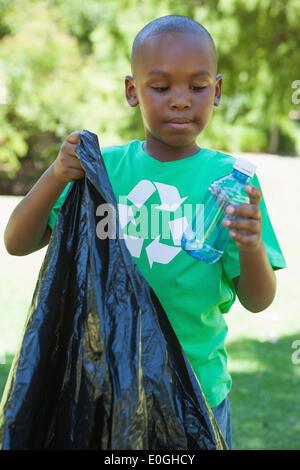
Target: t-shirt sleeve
57 206
230 258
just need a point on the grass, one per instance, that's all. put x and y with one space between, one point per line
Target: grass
264 398
265 393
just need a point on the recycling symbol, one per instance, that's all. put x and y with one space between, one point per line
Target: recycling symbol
170 203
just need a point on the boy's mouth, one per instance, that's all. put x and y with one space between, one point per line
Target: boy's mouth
180 123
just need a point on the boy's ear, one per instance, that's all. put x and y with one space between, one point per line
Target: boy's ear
130 91
218 89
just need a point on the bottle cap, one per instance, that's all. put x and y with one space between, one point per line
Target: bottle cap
245 167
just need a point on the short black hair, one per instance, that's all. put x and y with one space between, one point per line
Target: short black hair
168 24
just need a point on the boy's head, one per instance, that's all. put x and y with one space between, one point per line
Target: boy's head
174 81
170 24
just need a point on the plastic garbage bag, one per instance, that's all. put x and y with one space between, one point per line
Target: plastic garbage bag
99 366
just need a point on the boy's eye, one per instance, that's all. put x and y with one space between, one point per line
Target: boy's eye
198 88
160 89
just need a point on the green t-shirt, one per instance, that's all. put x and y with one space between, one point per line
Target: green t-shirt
156 200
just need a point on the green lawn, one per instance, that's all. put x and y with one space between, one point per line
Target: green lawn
265 393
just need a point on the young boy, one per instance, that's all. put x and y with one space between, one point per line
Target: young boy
175 83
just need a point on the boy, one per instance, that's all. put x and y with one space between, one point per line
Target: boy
175 82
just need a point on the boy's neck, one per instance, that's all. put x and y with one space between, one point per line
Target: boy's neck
165 153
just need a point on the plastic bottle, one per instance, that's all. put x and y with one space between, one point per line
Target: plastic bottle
207 242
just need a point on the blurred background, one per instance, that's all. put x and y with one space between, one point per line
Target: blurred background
62 68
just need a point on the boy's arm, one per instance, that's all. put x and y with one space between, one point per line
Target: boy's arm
27 229
256 285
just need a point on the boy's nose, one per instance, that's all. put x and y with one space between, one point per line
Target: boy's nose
179 101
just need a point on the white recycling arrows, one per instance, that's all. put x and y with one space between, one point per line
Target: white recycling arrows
141 192
134 244
170 201
169 196
161 253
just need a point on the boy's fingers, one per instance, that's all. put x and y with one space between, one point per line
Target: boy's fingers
69 147
73 138
250 211
76 174
243 239
73 161
255 194
248 225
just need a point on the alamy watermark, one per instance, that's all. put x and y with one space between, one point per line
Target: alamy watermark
295 358
168 222
296 94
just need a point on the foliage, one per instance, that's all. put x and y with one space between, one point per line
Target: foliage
63 63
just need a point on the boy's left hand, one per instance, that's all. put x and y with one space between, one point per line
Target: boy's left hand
246 231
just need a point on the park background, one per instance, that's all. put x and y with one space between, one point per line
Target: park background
62 68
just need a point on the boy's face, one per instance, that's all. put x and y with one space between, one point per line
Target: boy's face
176 87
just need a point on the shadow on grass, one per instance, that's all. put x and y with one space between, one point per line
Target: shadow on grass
265 393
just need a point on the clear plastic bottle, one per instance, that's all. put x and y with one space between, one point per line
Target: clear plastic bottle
208 242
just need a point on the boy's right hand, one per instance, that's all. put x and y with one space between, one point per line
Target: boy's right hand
67 165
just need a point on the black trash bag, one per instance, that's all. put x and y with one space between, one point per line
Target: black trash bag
99 365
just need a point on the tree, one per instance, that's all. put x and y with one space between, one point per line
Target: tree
63 64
